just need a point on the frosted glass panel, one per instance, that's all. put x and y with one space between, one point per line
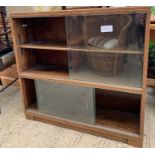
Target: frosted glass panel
106 48
66 101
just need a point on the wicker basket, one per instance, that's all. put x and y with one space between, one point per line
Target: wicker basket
108 64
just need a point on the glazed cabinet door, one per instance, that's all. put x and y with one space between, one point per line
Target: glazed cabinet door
65 101
107 48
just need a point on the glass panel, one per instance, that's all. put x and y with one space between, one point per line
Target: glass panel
115 69
66 101
106 48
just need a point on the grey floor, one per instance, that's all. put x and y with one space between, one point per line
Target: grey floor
16 131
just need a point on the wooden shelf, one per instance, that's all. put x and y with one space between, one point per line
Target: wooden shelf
95 49
128 128
150 82
118 119
63 77
45 46
44 73
80 11
152 26
62 47
32 111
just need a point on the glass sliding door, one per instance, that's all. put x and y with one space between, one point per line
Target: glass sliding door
106 48
65 101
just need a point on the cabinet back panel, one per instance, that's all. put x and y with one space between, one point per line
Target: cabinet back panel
118 100
56 58
42 30
49 29
44 59
118 110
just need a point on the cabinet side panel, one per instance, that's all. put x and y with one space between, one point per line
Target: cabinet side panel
142 113
146 47
28 92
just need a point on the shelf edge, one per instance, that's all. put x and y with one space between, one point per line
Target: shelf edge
46 47
103 128
59 48
35 76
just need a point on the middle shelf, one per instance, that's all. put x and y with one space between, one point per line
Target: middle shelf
63 77
114 71
63 47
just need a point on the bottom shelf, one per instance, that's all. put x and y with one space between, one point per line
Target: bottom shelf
95 107
118 120
125 137
123 121
150 82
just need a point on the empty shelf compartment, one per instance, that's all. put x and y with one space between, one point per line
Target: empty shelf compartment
118 110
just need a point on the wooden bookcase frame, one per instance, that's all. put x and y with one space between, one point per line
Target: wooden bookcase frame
27 87
151 81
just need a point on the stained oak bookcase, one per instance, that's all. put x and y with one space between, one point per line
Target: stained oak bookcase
85 69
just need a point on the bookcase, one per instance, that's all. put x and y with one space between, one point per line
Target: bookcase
85 69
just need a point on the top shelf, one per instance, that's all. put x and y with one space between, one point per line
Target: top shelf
63 47
95 49
81 11
45 46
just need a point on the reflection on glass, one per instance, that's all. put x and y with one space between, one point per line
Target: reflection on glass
115 69
65 101
107 48
120 31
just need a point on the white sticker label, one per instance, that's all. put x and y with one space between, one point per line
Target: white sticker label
106 28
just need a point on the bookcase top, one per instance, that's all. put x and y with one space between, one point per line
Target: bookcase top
74 12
